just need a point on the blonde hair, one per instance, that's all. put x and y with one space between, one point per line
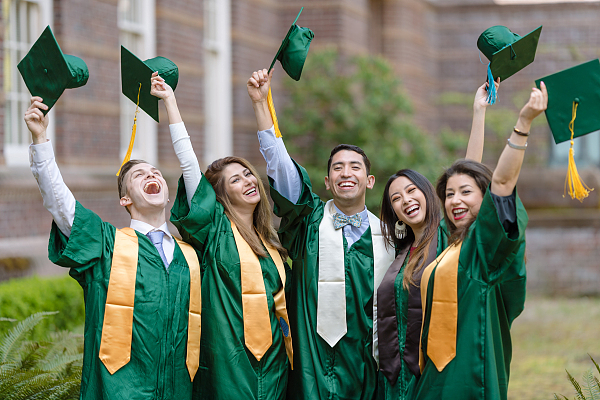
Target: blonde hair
261 219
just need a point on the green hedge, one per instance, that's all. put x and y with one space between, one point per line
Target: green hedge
19 298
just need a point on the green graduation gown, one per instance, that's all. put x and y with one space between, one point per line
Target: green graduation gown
348 370
157 368
491 294
228 370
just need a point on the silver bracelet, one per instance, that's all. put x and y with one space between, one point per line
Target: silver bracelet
516 146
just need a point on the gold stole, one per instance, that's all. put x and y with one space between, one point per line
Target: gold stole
441 339
115 346
255 309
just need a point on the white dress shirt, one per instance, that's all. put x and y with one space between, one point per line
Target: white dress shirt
59 200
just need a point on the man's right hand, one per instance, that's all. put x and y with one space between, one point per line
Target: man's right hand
36 121
258 85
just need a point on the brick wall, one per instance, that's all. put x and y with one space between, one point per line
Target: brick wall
431 43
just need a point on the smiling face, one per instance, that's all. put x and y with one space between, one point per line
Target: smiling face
463 199
145 190
409 203
348 180
241 186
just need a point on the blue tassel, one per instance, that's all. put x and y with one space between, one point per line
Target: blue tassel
491 98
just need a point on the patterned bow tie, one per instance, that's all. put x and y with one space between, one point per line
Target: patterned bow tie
341 220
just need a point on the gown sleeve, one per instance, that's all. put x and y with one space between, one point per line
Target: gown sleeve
195 219
496 237
295 217
91 240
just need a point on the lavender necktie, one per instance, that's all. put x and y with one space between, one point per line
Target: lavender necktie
156 237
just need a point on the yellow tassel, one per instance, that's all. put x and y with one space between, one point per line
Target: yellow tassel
273 115
577 188
130 148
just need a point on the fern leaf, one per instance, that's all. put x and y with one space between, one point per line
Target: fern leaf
595 363
588 379
60 363
579 395
10 342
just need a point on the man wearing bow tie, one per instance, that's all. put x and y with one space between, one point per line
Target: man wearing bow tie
339 258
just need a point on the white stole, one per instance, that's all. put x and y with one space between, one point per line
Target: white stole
331 301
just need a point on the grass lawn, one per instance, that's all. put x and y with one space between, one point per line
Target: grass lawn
552 335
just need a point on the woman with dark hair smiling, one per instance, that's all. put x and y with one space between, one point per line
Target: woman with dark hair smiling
475 288
410 219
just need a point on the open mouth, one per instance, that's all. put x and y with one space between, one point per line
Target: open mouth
412 210
152 188
250 192
346 185
459 213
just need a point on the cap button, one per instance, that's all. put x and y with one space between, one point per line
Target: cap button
45 70
576 100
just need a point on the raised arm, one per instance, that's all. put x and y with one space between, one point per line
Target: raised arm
280 167
181 140
476 139
509 165
57 197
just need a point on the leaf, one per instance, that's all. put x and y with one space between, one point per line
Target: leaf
10 342
579 395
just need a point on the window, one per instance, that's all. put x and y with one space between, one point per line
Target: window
24 22
137 33
586 151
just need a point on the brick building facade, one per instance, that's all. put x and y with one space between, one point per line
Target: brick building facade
431 44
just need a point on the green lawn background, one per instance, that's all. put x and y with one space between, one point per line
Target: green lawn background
551 335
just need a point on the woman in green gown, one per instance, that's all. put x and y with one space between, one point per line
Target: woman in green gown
410 220
474 290
228 221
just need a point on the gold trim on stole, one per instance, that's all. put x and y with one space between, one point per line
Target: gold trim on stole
441 339
115 345
255 309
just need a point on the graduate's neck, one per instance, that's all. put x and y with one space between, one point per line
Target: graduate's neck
418 231
245 217
350 206
156 219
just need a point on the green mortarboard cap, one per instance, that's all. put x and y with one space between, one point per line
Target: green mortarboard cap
135 72
508 52
579 84
47 72
294 49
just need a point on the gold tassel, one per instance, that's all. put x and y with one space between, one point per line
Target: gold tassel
273 115
130 148
577 188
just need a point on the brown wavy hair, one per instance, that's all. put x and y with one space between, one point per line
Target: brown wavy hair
262 220
482 176
432 221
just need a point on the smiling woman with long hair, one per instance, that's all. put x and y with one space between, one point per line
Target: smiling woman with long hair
475 288
245 333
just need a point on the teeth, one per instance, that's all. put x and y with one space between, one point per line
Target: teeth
459 211
411 209
152 188
251 191
346 184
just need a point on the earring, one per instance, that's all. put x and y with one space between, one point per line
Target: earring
400 230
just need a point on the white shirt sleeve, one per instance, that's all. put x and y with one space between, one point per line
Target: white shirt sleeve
280 167
188 161
57 197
